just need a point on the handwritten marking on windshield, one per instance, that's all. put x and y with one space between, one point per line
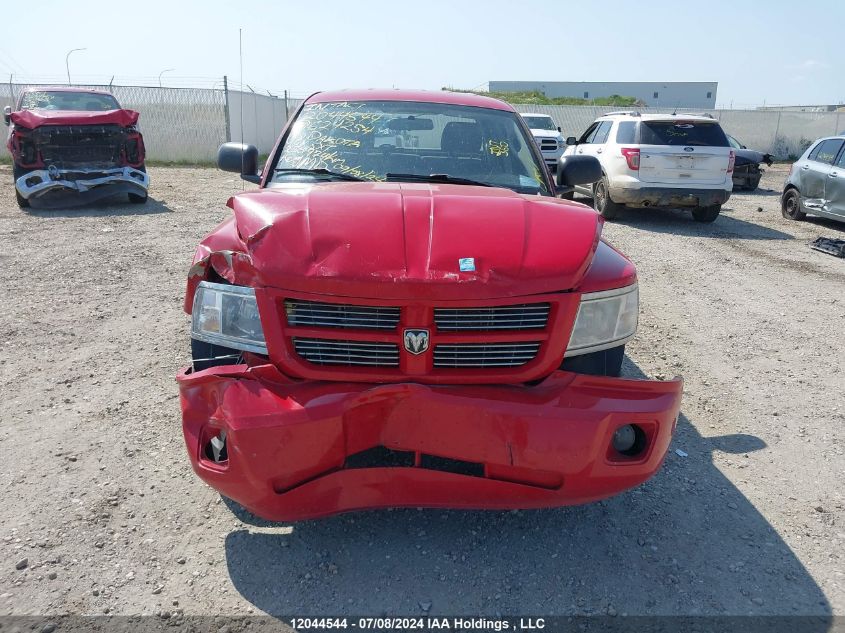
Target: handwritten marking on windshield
498 148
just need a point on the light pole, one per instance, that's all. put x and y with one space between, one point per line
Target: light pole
166 70
67 65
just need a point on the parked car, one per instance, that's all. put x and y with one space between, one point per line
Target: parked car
747 172
418 326
816 182
74 145
658 160
548 137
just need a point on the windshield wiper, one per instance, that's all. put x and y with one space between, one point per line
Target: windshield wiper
320 171
444 178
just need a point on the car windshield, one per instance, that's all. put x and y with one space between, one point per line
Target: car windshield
682 133
410 141
540 122
68 100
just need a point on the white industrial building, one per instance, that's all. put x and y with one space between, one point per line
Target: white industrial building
658 94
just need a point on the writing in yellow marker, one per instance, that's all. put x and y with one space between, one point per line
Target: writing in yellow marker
498 148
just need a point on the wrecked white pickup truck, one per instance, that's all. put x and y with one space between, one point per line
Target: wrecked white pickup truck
71 146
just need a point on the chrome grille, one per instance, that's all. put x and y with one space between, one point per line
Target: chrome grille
316 314
327 352
465 355
512 317
548 144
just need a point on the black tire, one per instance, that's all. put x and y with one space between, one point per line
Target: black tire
17 172
790 205
706 214
602 203
135 198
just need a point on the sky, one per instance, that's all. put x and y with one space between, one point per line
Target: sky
772 52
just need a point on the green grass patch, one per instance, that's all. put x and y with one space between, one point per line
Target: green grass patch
535 97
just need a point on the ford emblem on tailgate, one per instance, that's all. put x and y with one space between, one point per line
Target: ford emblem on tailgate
416 341
689 149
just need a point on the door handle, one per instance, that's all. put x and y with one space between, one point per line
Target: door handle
599 150
833 174
805 167
580 151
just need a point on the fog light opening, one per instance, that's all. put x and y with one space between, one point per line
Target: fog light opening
629 440
215 449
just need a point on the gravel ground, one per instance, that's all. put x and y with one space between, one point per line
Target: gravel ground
102 513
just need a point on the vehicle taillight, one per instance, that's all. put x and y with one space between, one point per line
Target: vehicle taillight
731 161
632 155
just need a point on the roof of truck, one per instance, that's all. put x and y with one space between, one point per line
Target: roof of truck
427 96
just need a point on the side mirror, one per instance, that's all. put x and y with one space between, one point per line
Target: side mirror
571 140
239 158
742 147
558 129
576 170
7 114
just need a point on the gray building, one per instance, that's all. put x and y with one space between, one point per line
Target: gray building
657 94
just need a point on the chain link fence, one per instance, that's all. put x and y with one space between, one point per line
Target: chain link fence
782 133
189 124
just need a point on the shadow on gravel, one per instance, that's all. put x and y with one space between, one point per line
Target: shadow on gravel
826 223
687 542
680 222
107 207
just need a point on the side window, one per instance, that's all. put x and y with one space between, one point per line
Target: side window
626 132
827 151
587 136
602 132
812 155
841 161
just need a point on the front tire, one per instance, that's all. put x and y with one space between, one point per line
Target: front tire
707 214
602 203
17 172
790 205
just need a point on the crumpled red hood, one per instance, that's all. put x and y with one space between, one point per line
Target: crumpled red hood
32 119
404 241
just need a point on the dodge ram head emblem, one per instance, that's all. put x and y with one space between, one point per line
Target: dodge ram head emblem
416 341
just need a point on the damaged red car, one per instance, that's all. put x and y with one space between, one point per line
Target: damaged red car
404 313
72 146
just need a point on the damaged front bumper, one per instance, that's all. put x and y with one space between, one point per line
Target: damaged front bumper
297 450
37 183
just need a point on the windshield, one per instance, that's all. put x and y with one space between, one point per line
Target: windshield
67 100
411 141
682 133
540 122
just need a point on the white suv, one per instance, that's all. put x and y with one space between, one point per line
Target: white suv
658 160
547 136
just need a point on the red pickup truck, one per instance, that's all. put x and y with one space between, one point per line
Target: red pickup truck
404 313
71 146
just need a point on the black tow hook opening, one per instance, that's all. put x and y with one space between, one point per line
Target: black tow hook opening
215 448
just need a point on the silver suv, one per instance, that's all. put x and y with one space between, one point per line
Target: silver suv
816 182
658 160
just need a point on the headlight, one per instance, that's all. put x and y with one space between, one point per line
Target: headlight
605 319
227 315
